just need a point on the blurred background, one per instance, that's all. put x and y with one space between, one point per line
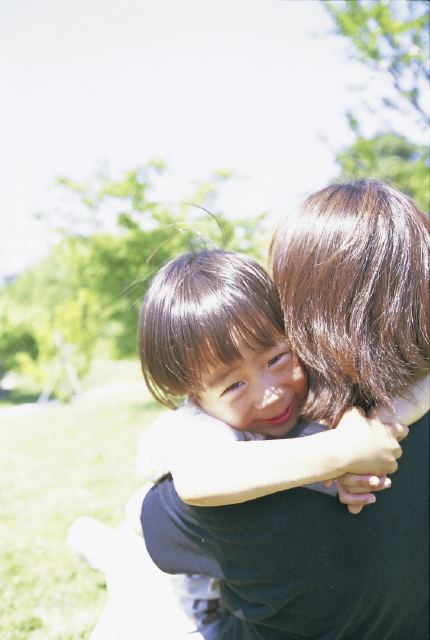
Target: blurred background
130 132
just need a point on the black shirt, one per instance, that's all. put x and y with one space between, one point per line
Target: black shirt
296 564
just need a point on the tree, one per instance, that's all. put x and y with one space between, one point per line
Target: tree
118 267
15 341
90 288
391 157
392 38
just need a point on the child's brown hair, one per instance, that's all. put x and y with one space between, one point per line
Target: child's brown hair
198 310
352 271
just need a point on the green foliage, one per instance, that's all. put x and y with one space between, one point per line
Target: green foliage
64 328
14 342
392 38
389 156
76 319
134 185
90 288
117 268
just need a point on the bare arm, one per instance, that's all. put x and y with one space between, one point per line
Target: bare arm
210 468
223 472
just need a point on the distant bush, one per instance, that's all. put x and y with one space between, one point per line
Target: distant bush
88 291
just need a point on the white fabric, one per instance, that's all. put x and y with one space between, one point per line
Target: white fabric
150 453
142 605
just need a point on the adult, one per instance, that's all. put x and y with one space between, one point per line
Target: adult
296 564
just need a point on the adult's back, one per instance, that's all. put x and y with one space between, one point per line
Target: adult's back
297 564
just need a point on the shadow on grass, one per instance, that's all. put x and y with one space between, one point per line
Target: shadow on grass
18 396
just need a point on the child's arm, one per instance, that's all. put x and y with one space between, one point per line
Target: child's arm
211 468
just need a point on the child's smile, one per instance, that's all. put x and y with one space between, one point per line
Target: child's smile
261 393
283 417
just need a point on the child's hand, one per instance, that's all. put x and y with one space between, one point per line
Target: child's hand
374 445
355 490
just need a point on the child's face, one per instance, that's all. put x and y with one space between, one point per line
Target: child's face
261 393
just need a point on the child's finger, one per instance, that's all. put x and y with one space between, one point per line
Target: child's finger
399 430
328 483
384 483
355 499
385 416
360 483
354 508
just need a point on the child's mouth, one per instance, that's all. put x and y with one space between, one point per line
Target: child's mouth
283 417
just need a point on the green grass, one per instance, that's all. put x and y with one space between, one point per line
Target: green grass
57 464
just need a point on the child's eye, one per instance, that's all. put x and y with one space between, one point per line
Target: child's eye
275 359
235 385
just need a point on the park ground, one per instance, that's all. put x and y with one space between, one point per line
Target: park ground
58 463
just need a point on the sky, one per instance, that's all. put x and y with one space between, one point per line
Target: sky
257 86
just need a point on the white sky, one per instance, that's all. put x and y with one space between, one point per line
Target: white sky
252 85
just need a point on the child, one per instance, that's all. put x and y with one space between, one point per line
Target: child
211 330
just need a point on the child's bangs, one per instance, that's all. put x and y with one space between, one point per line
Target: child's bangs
218 342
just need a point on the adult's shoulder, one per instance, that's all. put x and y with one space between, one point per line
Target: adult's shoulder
176 538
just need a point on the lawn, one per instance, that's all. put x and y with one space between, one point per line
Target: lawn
58 463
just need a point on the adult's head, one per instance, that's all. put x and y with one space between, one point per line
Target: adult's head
352 270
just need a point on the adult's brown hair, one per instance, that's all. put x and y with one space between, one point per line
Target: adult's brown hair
352 270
